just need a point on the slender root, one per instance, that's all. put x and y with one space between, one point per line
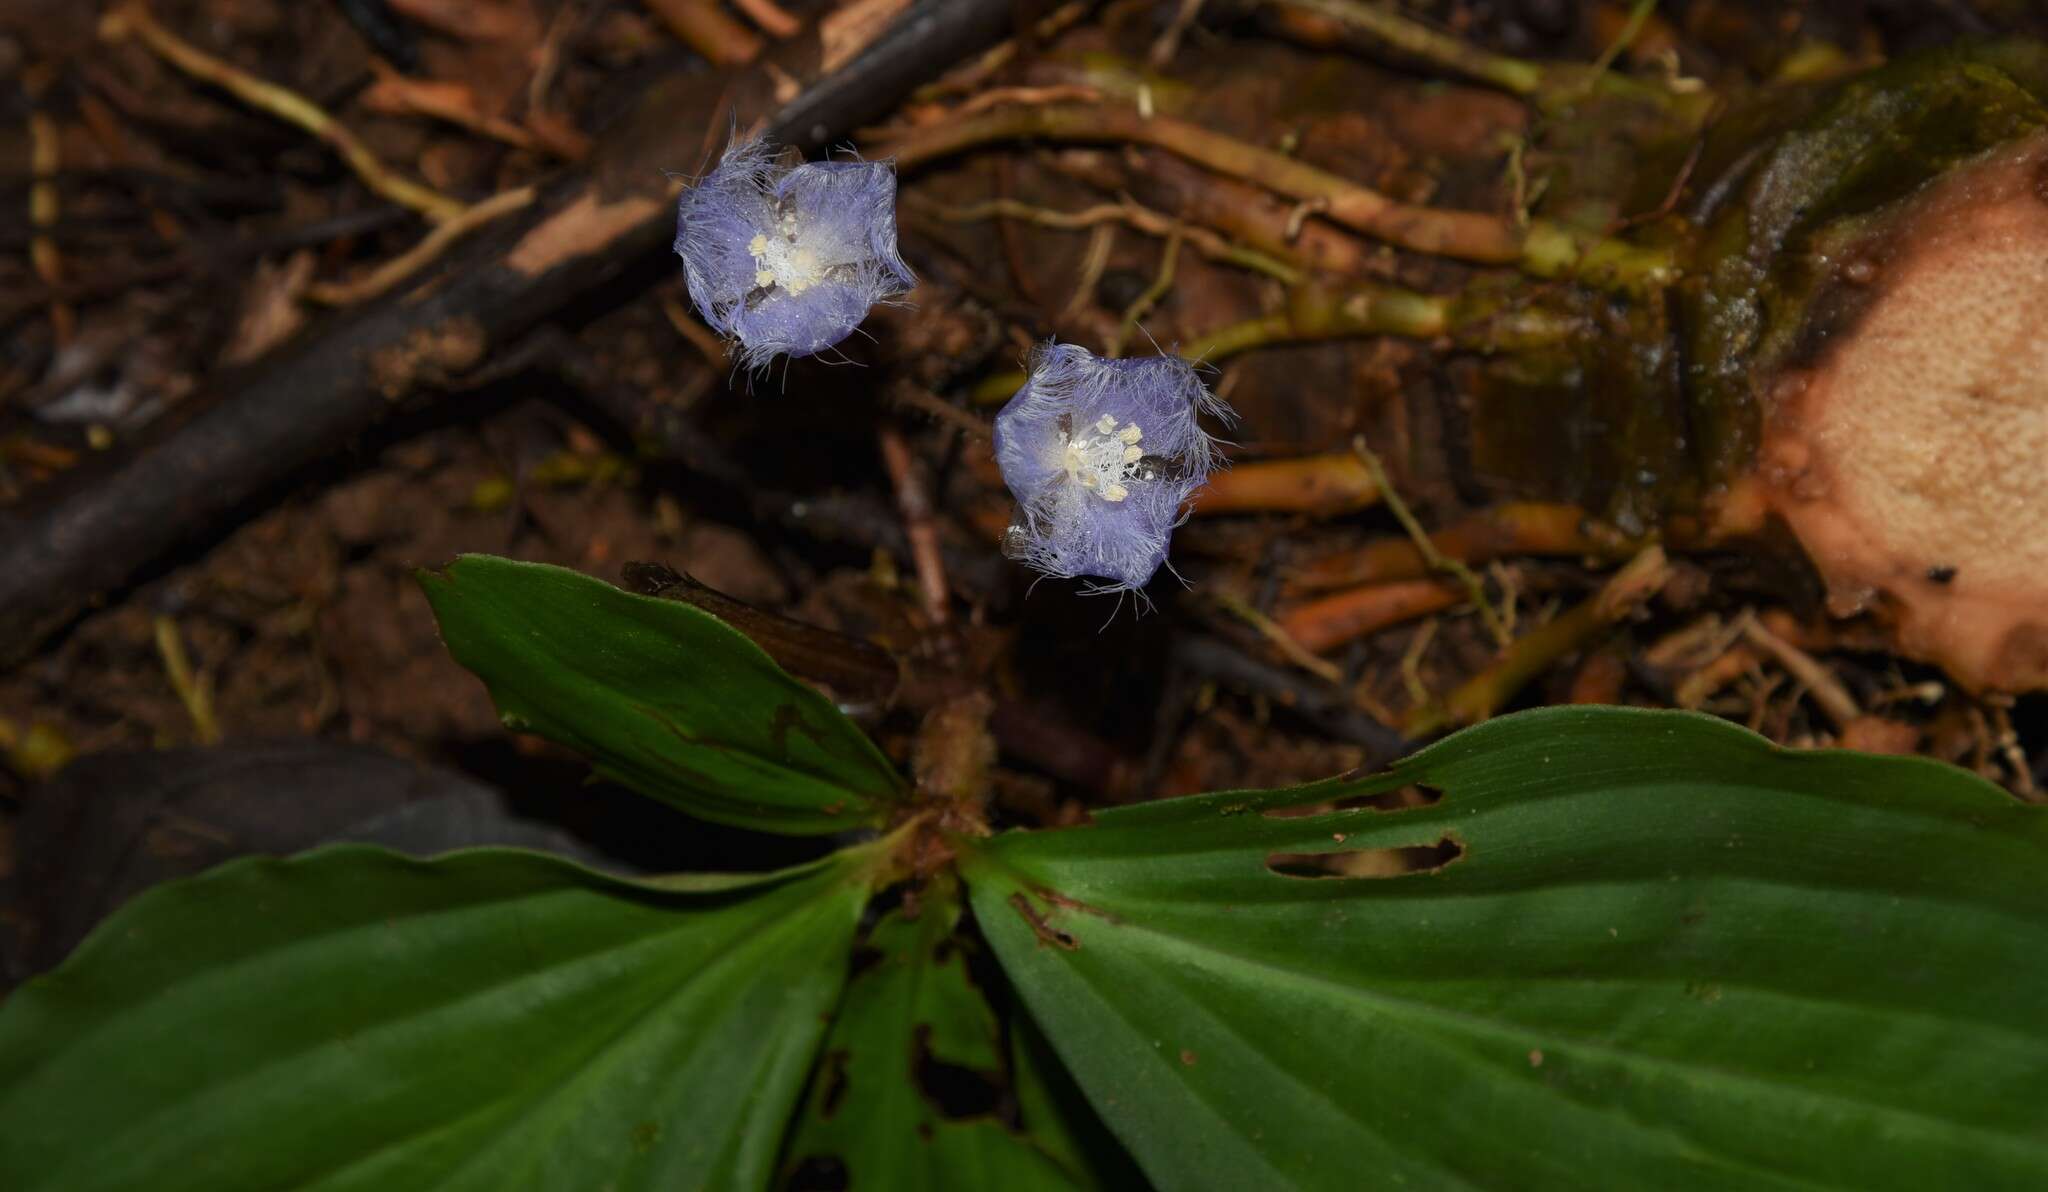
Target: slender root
1094 261
289 106
1437 561
1144 302
1827 691
1543 248
1280 639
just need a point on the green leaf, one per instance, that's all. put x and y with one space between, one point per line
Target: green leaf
1670 955
352 1018
911 1082
1062 1121
664 697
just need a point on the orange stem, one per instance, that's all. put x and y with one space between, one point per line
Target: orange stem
1514 528
1317 484
1334 620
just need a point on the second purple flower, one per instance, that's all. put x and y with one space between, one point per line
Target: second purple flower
1100 455
788 259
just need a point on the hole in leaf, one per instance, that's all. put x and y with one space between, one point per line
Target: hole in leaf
953 1090
1368 862
1415 794
819 1173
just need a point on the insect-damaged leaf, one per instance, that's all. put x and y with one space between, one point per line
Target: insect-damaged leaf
910 1092
352 1018
1653 951
664 697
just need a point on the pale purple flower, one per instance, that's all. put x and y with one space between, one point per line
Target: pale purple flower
1100 454
788 259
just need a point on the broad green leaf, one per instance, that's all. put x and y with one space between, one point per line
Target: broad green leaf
354 1019
1670 955
1062 1121
911 1081
664 697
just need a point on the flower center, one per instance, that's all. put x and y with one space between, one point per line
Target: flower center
1101 457
784 260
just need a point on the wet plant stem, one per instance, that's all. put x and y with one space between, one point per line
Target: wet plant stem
1488 322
